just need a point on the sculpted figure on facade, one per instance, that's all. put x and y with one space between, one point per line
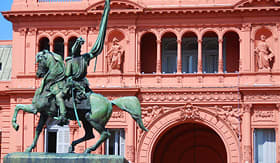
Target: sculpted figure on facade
115 56
264 55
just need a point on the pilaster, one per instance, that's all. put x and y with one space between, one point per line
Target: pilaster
246 133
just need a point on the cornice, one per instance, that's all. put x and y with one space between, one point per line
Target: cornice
129 7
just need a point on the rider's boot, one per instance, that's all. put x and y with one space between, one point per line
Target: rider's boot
62 120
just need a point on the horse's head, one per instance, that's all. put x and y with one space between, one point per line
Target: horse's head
41 60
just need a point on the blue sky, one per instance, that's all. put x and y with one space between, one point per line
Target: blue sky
6 29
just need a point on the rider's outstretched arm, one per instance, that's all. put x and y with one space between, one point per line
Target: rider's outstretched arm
98 46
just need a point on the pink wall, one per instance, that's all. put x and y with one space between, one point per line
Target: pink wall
231 104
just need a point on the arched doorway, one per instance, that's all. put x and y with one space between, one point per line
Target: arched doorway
189 142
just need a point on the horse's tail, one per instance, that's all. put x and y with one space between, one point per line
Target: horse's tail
131 105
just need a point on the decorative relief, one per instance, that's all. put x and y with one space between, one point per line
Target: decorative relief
22 31
32 31
227 114
118 116
263 115
189 112
262 96
189 97
230 116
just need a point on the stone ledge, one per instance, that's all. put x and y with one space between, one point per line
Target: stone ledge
22 157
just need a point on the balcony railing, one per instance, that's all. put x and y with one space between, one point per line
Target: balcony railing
59 0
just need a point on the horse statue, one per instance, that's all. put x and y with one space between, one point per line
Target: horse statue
94 110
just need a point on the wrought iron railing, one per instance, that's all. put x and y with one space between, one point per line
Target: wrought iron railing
59 0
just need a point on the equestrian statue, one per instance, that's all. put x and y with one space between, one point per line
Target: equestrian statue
64 93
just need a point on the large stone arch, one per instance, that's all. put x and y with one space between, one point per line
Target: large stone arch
185 114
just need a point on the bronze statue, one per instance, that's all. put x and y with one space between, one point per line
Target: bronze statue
66 91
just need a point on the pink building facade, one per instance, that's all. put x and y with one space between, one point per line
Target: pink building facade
207 73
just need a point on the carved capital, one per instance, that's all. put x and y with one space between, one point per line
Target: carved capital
278 106
179 41
84 30
32 31
199 41
158 41
220 41
246 27
22 31
247 108
132 29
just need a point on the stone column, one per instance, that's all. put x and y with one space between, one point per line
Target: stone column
65 48
51 45
278 143
138 56
246 133
245 48
179 57
130 147
220 62
199 60
158 56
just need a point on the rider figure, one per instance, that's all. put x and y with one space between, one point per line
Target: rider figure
76 66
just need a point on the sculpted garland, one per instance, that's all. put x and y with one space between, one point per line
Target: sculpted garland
65 94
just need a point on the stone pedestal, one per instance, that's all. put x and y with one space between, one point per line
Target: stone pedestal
21 157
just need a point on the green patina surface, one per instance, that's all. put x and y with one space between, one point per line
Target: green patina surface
24 157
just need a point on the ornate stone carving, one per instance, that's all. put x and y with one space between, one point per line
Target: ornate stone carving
264 55
272 97
84 30
32 31
22 31
263 115
247 108
115 57
189 112
118 115
230 116
246 27
150 113
184 97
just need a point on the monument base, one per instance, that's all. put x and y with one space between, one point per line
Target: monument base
22 157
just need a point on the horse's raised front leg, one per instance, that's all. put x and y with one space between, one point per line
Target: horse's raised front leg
25 108
88 135
39 128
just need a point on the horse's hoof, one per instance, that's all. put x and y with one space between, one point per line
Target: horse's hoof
87 151
28 150
71 149
15 126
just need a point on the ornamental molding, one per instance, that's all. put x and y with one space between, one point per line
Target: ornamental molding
130 152
190 96
263 115
116 6
263 97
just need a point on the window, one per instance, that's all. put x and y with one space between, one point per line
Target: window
264 146
57 138
0 66
58 47
116 143
169 55
189 55
210 54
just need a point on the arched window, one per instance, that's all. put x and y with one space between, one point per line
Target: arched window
44 43
58 46
210 52
71 42
189 53
148 53
169 53
231 49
